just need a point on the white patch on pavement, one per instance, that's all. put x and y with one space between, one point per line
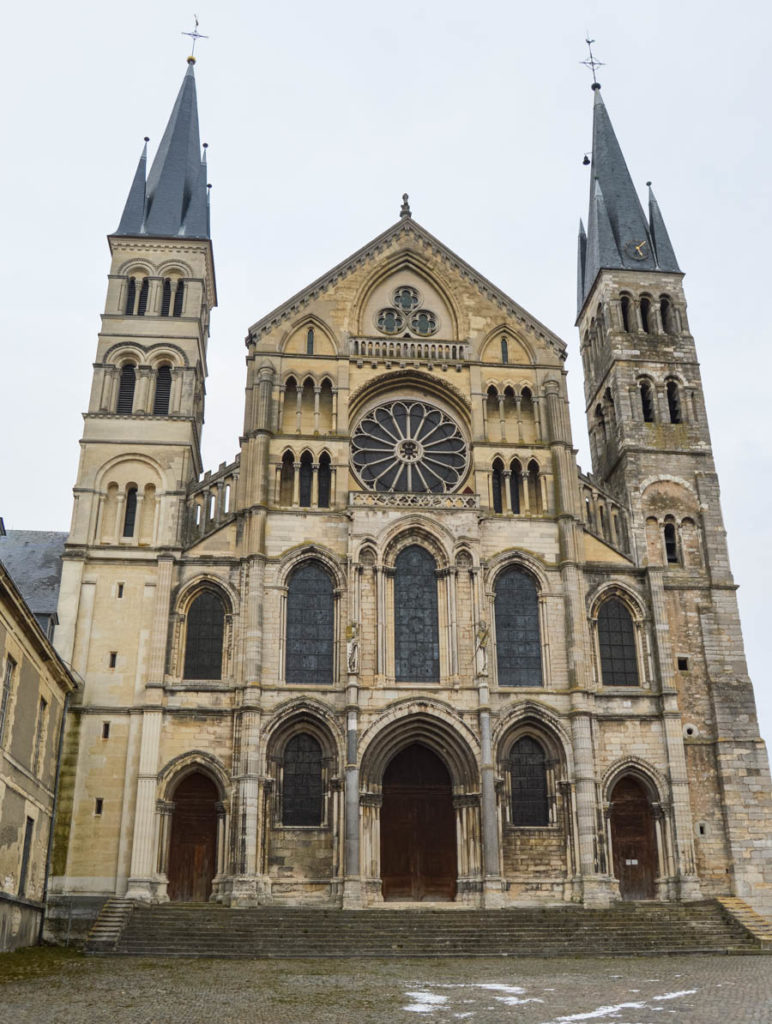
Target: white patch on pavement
676 995
424 1002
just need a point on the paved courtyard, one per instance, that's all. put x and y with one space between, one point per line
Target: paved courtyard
49 987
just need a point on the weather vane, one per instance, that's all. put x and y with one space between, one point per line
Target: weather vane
195 35
591 62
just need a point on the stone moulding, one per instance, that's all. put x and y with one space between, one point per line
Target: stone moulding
387 499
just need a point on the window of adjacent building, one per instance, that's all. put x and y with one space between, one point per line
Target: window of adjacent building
310 636
518 639
40 729
528 775
416 623
10 665
130 515
163 391
204 637
616 640
126 387
26 850
302 782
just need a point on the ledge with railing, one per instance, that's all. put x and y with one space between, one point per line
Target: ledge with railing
408 350
388 499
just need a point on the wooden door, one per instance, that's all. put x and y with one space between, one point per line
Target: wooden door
193 843
418 828
633 840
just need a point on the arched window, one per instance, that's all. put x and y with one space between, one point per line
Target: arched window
163 390
515 476
671 544
204 637
179 297
416 623
528 775
497 481
126 389
325 480
534 487
310 341
287 481
130 515
616 640
302 793
306 479
666 314
131 295
504 350
166 297
144 289
646 315
625 304
310 626
518 640
647 401
674 402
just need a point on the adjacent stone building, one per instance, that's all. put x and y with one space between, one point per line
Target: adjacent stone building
35 688
401 648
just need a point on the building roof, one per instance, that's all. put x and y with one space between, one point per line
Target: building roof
33 559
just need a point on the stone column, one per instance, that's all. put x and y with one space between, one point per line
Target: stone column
317 392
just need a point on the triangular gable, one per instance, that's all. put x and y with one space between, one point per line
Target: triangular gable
405 226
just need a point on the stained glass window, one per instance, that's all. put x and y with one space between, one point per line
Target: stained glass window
423 323
310 626
416 625
518 641
204 637
302 789
528 773
390 321
616 638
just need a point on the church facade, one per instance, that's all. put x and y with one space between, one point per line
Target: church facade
402 649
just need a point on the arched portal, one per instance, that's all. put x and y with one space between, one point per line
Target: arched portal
193 842
633 840
418 828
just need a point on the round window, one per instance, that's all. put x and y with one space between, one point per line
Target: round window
409 446
390 321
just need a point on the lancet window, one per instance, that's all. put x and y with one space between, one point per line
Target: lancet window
310 628
416 621
518 637
204 637
616 641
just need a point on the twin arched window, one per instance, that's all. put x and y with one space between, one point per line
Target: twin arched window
310 637
616 641
204 637
518 639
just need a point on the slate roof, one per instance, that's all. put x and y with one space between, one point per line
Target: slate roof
616 219
33 559
173 200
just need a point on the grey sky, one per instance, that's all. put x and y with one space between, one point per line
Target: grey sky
318 117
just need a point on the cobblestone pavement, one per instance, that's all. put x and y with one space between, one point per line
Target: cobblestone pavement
67 989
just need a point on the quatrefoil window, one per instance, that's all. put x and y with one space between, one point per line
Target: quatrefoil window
405 315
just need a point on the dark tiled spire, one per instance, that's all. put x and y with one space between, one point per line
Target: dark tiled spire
173 201
619 237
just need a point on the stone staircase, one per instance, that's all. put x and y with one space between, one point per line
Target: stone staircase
627 929
109 925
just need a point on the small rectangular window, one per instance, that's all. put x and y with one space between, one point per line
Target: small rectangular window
105 730
10 665
119 591
683 664
98 805
113 659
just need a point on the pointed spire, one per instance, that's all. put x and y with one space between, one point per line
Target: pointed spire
174 198
663 249
134 210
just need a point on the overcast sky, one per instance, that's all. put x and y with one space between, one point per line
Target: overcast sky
318 117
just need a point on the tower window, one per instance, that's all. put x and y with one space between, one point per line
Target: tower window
515 476
674 402
666 315
306 479
671 543
130 517
163 390
325 480
144 289
497 480
647 401
504 350
625 304
310 341
131 295
126 387
646 315
179 298
166 297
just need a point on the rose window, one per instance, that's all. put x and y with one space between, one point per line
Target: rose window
405 315
409 446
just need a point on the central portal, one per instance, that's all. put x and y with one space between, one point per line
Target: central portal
418 828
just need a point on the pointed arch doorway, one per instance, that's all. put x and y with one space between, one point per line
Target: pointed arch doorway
633 840
418 828
193 841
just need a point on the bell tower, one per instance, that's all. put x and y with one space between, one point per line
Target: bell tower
651 449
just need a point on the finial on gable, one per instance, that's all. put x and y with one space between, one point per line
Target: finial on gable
404 210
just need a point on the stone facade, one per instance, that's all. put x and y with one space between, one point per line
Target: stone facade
403 320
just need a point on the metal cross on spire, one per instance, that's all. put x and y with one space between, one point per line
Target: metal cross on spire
195 35
591 62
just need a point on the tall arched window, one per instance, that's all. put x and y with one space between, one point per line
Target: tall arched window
302 792
310 627
518 639
528 776
325 480
306 479
666 314
163 390
310 341
534 487
126 387
515 478
671 543
204 637
166 297
504 350
647 401
416 622
144 290
497 485
287 480
616 640
179 298
625 304
646 315
674 402
130 515
131 295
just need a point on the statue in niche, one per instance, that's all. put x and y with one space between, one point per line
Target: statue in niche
352 648
481 648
